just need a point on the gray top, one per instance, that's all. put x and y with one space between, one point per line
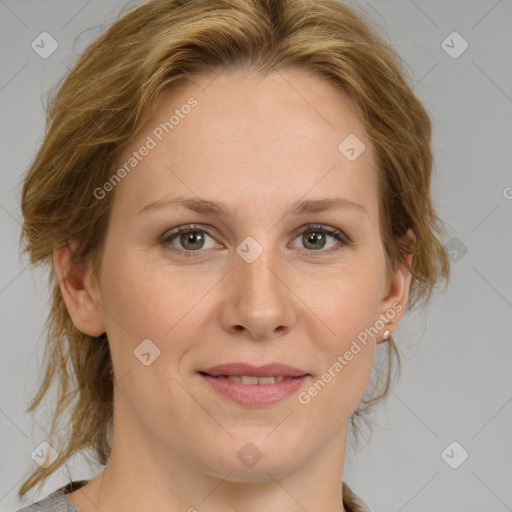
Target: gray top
57 501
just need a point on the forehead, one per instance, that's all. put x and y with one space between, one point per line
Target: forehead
245 139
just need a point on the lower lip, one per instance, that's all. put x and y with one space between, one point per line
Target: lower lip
255 395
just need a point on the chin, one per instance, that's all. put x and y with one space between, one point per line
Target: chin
252 458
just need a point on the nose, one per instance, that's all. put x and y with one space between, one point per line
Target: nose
258 301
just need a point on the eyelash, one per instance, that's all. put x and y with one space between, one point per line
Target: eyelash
343 239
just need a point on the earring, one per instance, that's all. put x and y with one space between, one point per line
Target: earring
386 335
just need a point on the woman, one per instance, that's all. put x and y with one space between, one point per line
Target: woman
234 200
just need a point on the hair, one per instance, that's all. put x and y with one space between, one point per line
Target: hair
109 95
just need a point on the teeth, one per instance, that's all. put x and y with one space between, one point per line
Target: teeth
266 380
246 379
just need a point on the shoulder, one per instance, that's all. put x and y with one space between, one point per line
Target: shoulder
56 501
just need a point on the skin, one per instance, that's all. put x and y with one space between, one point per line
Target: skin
257 145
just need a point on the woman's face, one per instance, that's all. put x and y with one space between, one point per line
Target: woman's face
264 281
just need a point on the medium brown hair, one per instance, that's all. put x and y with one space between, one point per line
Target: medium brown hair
110 94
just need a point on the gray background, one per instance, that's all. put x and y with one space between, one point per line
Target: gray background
456 383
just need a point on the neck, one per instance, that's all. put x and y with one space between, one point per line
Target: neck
144 475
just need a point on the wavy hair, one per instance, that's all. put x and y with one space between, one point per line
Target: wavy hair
111 92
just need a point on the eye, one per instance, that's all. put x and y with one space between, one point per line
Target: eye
314 237
189 237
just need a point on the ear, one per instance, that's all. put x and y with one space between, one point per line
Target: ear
76 289
397 293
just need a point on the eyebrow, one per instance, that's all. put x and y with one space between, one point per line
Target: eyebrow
221 210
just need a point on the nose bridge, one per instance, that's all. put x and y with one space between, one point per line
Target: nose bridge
259 292
257 265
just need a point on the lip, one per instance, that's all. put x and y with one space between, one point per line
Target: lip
267 370
254 395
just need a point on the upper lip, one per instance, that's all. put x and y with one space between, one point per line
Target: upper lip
267 370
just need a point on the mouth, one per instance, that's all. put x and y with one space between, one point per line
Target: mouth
253 386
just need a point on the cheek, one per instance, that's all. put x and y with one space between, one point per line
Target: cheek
145 300
350 310
348 301
347 355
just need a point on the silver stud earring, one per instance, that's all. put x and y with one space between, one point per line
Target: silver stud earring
385 337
